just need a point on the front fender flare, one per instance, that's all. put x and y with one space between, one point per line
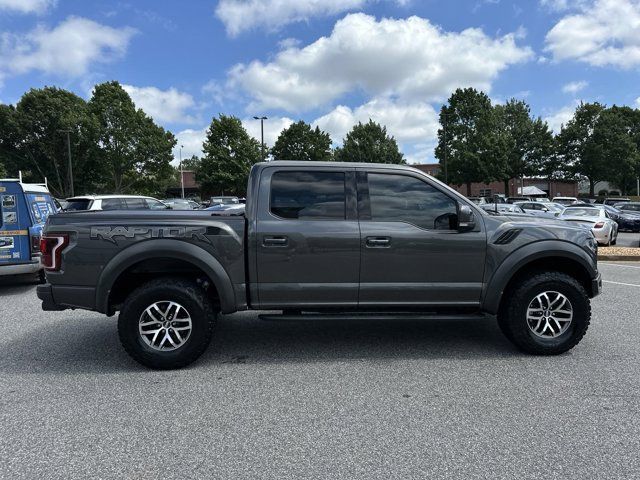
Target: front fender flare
528 254
165 248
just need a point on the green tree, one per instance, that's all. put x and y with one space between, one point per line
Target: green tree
514 120
229 153
135 152
369 143
42 118
471 147
614 145
542 158
577 147
191 164
301 142
10 160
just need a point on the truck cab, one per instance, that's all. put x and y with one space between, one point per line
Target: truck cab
24 209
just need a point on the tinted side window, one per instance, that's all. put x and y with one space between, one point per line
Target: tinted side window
136 204
398 198
308 195
112 204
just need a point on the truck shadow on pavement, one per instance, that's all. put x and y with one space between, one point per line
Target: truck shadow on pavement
91 345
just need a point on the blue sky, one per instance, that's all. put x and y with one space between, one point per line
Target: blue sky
329 62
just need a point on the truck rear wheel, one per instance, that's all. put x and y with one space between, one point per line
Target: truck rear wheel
546 314
166 323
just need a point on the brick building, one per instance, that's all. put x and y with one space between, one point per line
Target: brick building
191 186
554 188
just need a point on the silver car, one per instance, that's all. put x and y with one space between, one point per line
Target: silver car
603 228
541 209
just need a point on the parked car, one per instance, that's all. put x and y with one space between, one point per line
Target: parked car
314 245
114 202
181 204
613 201
518 199
478 200
565 200
503 208
227 210
540 209
224 201
24 209
628 221
604 229
628 207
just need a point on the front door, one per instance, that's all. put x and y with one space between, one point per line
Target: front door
412 252
307 238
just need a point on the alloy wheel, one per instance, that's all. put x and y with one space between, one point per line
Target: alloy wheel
549 314
165 325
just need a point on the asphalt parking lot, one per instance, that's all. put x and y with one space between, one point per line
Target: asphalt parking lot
356 399
628 239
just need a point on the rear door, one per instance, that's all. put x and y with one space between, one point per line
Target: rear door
15 222
412 253
307 238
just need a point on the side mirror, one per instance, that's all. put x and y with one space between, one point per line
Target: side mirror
545 209
466 219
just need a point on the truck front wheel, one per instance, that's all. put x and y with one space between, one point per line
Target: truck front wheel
166 323
546 314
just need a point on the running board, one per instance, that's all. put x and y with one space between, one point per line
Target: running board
371 316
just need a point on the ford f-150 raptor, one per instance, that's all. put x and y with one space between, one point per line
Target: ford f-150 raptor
326 240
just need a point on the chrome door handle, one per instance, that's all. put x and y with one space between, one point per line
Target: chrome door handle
378 242
279 241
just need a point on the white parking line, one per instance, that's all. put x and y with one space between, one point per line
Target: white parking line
618 265
620 283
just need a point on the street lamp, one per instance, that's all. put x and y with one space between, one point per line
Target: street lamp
181 172
262 119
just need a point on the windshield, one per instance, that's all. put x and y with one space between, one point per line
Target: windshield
78 204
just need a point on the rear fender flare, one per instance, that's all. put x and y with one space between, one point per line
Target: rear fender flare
165 248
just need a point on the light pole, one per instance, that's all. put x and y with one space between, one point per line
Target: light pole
262 119
181 172
69 167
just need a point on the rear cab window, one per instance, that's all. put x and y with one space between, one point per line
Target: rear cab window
308 195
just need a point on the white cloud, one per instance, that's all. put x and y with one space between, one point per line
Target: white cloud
191 141
601 33
27 6
413 122
163 105
561 117
69 49
242 15
575 87
638 102
406 58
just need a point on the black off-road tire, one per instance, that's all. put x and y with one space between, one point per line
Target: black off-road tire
512 318
191 297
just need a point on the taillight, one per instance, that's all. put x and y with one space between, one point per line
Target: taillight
51 246
599 225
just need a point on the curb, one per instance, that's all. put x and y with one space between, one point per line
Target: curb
619 258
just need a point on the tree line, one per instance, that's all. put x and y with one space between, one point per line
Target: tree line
117 148
114 146
481 142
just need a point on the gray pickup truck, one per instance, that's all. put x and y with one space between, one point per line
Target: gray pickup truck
322 240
